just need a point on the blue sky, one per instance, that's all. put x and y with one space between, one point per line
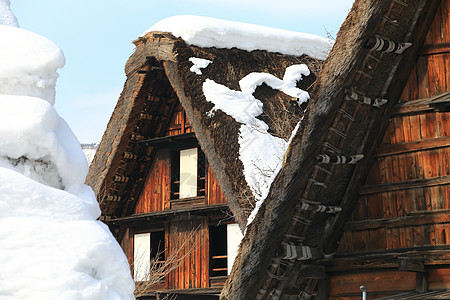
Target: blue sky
96 37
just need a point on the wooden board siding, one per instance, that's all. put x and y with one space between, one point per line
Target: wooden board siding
155 195
439 279
213 191
189 243
179 124
406 199
377 283
431 72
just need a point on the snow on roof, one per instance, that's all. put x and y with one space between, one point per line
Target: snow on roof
260 152
6 15
28 64
210 32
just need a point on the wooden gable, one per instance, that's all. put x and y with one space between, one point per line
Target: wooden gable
155 194
403 208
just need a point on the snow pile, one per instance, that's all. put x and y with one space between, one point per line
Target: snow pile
28 64
31 134
51 244
210 32
6 15
198 64
260 152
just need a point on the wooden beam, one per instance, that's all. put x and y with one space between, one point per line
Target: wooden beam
414 220
402 148
404 185
411 264
435 49
418 105
164 213
387 259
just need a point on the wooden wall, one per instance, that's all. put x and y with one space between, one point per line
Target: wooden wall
155 195
405 202
189 245
179 124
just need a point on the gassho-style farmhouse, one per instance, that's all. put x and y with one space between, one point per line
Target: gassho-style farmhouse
241 174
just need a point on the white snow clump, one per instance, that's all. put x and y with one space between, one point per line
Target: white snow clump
28 64
210 32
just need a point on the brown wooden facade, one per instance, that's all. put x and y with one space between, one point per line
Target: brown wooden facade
186 222
398 238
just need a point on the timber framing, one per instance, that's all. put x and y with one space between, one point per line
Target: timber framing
159 216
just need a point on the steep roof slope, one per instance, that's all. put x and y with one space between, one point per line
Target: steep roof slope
278 255
164 66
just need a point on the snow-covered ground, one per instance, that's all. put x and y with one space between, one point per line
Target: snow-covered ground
51 244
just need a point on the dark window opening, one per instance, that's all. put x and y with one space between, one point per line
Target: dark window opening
218 250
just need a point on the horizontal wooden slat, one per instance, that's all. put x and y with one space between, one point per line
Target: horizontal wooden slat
219 256
439 279
415 106
435 49
385 259
374 282
404 185
402 148
412 220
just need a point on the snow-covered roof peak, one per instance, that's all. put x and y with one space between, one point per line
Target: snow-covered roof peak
28 63
210 32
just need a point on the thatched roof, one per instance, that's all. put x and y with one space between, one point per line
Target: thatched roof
158 76
294 214
291 215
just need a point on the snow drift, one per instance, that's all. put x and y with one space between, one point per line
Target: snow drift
51 244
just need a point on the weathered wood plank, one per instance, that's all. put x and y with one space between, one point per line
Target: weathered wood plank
404 185
426 144
386 281
412 220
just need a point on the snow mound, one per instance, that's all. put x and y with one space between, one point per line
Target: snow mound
36 142
57 250
28 63
210 32
6 15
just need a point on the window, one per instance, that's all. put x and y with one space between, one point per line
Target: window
149 248
188 173
224 243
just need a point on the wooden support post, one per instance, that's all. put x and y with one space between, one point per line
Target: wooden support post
410 264
421 282
323 289
415 265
